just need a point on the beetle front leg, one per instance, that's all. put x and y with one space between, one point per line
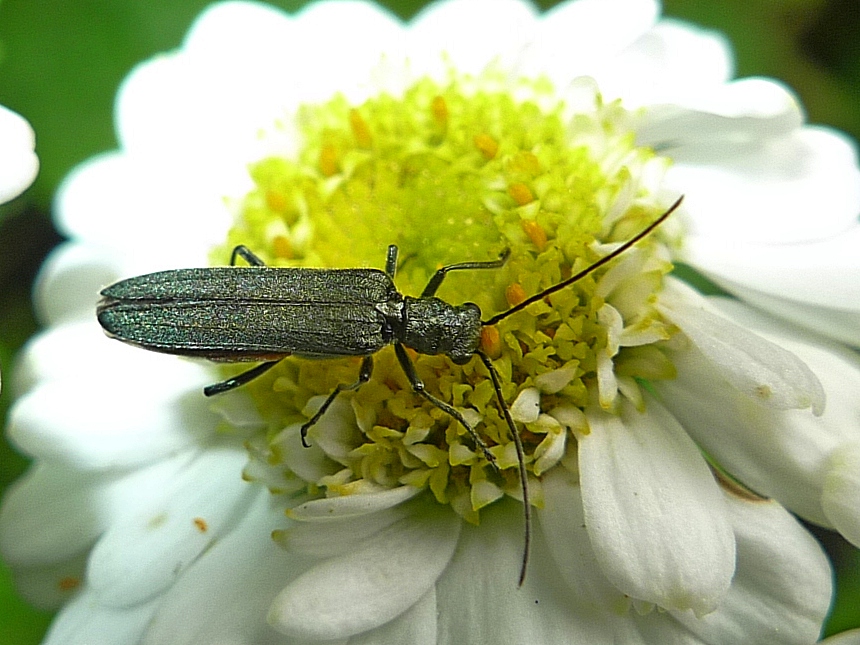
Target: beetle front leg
363 377
246 254
418 387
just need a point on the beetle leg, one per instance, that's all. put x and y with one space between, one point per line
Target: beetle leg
246 254
440 274
363 377
418 387
391 261
239 379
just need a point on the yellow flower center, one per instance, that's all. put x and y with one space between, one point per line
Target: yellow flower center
452 173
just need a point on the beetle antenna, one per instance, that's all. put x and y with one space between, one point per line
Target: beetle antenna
521 460
579 276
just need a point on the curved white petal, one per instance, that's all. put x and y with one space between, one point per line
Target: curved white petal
543 610
720 122
453 29
778 453
796 188
341 535
122 427
337 508
598 608
174 223
18 161
50 586
672 62
67 287
654 513
373 584
591 37
86 622
143 552
762 370
30 531
840 323
223 597
781 590
787 279
416 626
841 499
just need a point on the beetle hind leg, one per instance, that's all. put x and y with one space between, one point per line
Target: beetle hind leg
240 379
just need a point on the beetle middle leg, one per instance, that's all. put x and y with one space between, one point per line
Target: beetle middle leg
418 387
363 377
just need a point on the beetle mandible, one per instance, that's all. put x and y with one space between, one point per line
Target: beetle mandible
261 313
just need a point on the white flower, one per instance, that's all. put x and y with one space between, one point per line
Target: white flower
136 507
18 161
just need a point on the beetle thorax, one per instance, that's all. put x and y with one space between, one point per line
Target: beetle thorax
432 326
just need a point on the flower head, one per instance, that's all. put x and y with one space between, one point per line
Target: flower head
558 137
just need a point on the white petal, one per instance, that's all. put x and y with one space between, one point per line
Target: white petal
223 597
338 508
762 370
840 323
462 31
67 287
562 520
787 279
654 513
416 626
841 498
32 535
543 610
145 551
778 453
341 535
85 622
134 421
721 121
781 591
18 161
526 407
765 194
179 217
671 62
372 585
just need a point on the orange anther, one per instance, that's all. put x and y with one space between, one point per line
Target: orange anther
68 583
282 247
515 294
486 145
276 200
535 232
329 160
521 193
201 524
440 111
491 341
359 129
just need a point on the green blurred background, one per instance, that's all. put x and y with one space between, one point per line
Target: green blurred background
61 63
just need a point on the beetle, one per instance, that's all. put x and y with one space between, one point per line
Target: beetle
264 314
